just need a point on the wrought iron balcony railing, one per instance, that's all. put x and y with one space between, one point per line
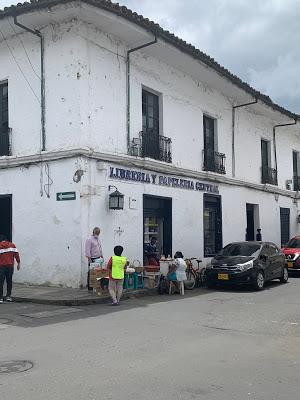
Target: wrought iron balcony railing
156 146
269 175
5 142
214 161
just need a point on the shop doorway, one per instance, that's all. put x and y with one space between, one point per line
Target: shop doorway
158 223
284 225
212 225
6 215
252 211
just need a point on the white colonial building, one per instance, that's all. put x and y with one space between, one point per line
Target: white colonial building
93 95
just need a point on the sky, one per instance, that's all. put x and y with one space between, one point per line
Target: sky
257 40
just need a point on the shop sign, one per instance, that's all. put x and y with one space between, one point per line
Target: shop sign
161 180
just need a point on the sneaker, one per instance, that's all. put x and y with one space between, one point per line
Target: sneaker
1 301
9 299
114 303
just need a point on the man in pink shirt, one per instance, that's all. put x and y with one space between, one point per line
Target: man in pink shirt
93 250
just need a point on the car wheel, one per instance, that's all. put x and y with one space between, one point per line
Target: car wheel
259 281
285 275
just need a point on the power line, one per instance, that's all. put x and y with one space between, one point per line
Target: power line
22 43
25 77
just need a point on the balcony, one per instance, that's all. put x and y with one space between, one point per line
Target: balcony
5 142
156 146
214 161
269 175
296 181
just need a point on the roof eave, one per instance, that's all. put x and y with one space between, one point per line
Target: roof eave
156 29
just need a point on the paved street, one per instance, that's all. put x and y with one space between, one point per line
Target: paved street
214 345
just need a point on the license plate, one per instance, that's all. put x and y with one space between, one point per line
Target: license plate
290 264
223 277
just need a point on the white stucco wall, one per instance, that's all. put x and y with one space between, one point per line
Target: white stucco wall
46 232
51 235
24 102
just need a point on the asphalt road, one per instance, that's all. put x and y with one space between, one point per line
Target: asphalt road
213 345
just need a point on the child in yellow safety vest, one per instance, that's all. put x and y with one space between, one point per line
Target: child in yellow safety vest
116 265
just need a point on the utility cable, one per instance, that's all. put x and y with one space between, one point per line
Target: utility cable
27 55
13 56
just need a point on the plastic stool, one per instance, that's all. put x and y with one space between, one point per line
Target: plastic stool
138 280
129 281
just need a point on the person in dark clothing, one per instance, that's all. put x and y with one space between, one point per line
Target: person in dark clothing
8 254
258 235
151 252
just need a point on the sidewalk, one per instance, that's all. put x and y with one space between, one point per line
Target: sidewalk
67 296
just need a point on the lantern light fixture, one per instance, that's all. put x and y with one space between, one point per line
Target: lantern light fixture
116 199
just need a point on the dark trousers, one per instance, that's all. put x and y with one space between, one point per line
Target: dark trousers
6 273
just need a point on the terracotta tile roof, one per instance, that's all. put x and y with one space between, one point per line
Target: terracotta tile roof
156 29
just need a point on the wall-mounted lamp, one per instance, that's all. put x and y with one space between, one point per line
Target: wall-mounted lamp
276 195
116 199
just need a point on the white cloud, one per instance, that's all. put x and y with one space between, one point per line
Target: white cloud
281 79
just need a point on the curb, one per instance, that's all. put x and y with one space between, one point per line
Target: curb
86 301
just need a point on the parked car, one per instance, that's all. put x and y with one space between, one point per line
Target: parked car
292 254
247 263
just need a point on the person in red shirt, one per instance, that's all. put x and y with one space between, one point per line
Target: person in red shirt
8 254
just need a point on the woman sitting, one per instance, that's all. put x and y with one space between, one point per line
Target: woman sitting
177 274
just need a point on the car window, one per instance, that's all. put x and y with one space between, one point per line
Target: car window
293 243
275 249
240 249
269 250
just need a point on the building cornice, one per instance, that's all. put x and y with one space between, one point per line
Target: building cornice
136 162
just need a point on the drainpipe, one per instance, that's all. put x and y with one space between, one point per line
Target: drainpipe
39 34
274 138
233 132
128 85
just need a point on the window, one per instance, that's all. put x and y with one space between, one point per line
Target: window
269 175
212 225
284 225
150 113
296 174
4 131
265 153
212 160
293 243
154 145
